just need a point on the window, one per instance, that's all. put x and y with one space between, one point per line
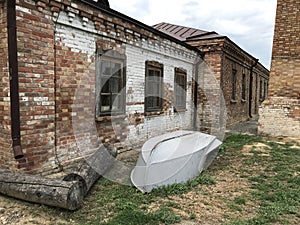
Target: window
244 87
261 90
153 86
180 89
233 81
111 84
265 90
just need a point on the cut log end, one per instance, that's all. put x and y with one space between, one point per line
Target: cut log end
75 196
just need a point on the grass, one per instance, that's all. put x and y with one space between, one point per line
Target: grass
276 189
273 191
127 205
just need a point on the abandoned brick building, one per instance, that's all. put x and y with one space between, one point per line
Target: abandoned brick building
76 74
280 112
243 80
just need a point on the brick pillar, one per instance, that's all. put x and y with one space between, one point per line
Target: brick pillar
280 113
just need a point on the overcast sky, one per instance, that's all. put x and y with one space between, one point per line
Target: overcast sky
249 23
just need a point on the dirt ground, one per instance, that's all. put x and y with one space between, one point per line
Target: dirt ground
207 203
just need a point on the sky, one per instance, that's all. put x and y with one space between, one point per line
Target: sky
248 23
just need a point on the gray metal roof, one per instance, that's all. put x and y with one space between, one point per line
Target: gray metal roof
183 33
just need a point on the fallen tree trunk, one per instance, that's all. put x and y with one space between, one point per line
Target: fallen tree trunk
67 193
53 192
92 168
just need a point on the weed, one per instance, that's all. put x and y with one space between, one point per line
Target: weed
239 200
192 216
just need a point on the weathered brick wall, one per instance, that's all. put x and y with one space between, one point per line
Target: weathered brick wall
166 54
237 108
35 33
222 56
213 54
57 46
280 113
6 156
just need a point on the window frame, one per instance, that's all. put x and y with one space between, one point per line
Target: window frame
261 97
179 88
233 84
157 67
244 87
265 89
111 57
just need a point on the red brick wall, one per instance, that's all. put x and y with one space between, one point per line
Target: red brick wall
6 156
221 55
35 33
213 54
237 109
50 72
280 114
49 75
285 70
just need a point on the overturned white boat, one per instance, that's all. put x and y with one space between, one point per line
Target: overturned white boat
174 157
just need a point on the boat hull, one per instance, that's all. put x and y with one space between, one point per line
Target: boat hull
173 158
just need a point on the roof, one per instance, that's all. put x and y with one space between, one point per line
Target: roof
103 5
186 34
100 3
183 33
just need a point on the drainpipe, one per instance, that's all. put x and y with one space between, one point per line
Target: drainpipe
251 87
14 79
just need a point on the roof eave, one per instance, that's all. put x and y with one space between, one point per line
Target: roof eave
142 25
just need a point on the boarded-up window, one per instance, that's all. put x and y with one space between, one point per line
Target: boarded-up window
111 85
180 89
153 86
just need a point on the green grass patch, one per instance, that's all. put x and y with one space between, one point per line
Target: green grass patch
276 188
118 204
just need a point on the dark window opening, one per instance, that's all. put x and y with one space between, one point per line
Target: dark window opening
153 86
244 87
180 89
261 90
110 86
265 90
233 82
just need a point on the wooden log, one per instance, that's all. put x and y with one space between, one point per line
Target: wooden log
67 193
92 168
53 192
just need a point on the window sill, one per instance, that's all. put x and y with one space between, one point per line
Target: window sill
108 118
243 101
180 110
154 113
233 101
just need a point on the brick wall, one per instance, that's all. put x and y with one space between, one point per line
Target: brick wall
134 127
280 113
222 56
35 35
58 42
6 156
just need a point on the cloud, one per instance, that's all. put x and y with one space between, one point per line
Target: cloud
249 23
